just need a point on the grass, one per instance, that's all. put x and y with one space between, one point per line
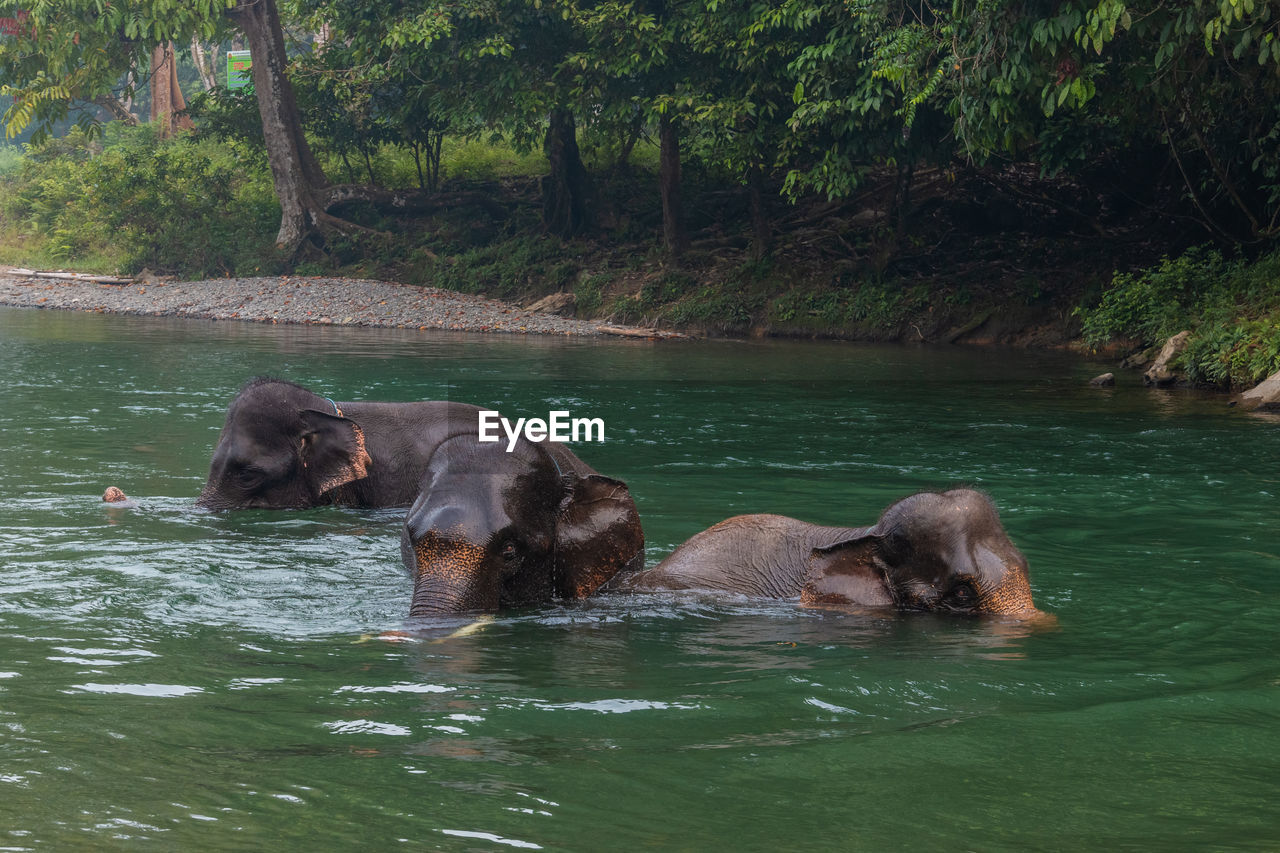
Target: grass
23 250
474 160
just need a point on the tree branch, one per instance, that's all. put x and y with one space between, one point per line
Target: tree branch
113 105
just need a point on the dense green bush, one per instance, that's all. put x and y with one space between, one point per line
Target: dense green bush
1229 306
1153 304
181 206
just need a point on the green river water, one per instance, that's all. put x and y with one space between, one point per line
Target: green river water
180 680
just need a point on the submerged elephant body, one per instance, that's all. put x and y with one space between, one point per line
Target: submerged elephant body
494 529
284 447
930 551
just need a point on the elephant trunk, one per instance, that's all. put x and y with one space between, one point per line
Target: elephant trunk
1012 597
449 577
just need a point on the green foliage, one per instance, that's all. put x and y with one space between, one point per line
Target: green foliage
589 294
871 304
10 159
1151 305
173 207
714 308
232 118
510 269
664 289
1230 307
77 50
623 309
733 304
803 96
472 160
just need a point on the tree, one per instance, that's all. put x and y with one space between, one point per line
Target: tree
77 52
632 63
205 60
1063 85
742 95
79 49
167 104
474 67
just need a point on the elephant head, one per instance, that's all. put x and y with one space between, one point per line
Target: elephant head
282 447
943 552
492 529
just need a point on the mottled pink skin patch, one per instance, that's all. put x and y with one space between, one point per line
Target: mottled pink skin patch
456 570
357 470
113 495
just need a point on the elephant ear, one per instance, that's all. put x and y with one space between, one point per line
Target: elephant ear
332 450
598 534
848 572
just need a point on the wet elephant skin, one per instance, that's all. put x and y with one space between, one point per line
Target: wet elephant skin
284 447
493 530
943 552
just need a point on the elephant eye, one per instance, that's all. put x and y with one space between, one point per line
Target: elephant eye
509 551
963 593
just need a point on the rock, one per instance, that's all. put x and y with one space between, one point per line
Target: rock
1137 359
560 304
1104 381
1160 373
1264 395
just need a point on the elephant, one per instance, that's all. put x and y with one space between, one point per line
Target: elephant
493 529
284 447
944 552
115 498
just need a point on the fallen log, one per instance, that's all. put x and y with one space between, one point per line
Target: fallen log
71 276
630 332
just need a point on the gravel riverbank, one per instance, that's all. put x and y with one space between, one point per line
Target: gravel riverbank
293 299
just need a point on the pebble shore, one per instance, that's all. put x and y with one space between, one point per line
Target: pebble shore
296 299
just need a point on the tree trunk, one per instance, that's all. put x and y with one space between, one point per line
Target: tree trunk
761 232
304 193
204 61
160 95
435 146
901 207
416 150
167 103
294 171
129 80
178 118
628 145
674 237
564 191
